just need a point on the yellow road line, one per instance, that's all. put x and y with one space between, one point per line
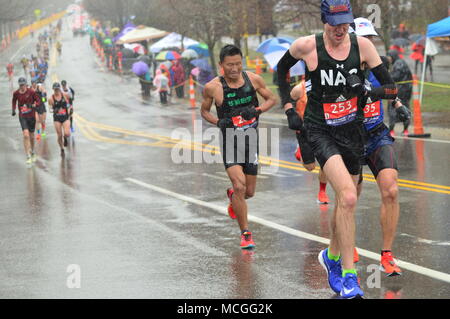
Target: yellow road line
87 129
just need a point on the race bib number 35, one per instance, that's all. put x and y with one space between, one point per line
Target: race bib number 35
372 110
340 113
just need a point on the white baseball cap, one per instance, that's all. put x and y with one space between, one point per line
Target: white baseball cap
364 27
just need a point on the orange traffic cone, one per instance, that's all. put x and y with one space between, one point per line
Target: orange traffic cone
192 93
418 124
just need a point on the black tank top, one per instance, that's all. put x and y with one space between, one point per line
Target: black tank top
236 100
60 107
327 103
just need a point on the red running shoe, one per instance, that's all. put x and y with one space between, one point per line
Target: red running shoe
405 133
389 266
355 256
392 133
230 193
298 154
247 241
322 198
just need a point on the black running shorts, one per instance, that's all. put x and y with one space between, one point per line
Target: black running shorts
242 151
28 123
41 109
347 141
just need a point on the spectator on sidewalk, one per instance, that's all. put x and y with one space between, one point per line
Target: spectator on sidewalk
161 82
400 73
179 79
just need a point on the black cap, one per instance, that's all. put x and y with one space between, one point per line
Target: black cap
22 81
56 85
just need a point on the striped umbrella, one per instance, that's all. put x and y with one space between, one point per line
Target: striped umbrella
168 56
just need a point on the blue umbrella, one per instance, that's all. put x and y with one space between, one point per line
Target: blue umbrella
140 68
201 49
266 45
202 64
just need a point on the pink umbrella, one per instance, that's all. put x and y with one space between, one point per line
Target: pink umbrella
195 72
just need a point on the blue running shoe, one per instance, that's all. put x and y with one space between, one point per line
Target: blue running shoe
333 269
72 130
350 287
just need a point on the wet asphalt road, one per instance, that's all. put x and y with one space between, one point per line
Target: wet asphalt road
131 241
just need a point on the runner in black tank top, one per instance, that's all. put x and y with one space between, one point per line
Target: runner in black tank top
235 96
333 117
333 121
60 107
236 150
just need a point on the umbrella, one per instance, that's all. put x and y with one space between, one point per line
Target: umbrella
414 37
166 64
195 72
421 40
146 59
400 42
127 53
201 48
190 54
202 64
168 55
107 41
265 46
140 68
136 47
274 56
115 30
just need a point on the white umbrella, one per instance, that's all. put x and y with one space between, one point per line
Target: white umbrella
136 47
190 54
276 53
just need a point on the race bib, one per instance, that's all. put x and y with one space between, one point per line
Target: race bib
239 122
25 109
340 113
372 110
62 112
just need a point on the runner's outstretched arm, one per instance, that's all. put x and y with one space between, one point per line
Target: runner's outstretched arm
388 90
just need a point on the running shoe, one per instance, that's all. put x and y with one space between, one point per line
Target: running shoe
322 198
44 136
72 130
333 269
66 142
355 256
389 266
230 193
405 133
298 154
29 160
351 288
247 241
392 133
38 137
33 158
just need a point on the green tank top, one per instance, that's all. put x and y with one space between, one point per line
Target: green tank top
327 102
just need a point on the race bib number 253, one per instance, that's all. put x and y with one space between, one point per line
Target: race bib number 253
340 113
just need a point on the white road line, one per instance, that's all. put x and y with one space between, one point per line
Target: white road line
222 210
18 51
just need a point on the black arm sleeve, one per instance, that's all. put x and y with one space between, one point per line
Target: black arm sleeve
285 64
388 90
